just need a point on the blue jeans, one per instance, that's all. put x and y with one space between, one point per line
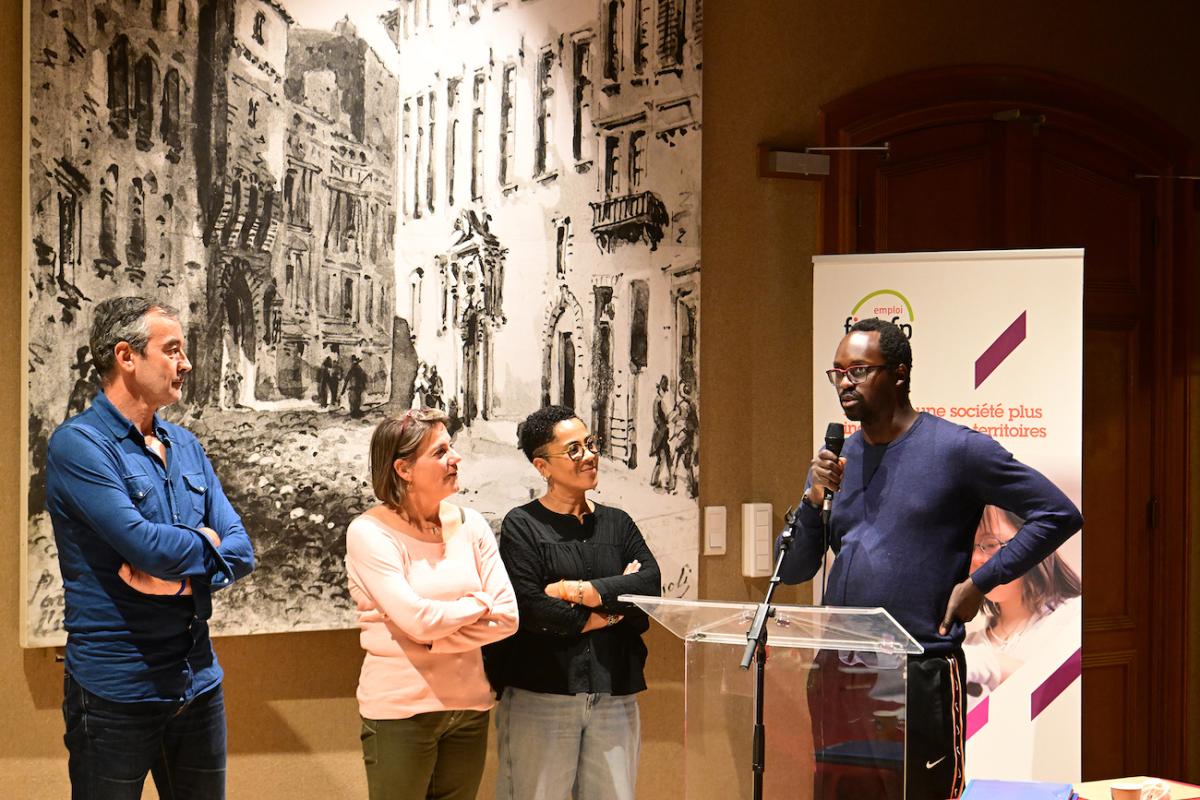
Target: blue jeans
112 746
554 746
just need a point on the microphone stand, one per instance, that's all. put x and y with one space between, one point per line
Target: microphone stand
756 650
825 515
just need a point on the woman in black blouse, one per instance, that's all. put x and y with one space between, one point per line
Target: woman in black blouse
567 721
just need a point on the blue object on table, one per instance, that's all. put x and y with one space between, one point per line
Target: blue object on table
1017 790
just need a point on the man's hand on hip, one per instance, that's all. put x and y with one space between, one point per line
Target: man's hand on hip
965 602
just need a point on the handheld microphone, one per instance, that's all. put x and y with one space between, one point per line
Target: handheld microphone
835 437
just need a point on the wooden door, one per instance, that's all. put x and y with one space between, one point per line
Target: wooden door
997 172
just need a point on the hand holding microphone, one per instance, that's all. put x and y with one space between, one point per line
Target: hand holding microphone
827 469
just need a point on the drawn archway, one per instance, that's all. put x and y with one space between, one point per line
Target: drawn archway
238 335
562 351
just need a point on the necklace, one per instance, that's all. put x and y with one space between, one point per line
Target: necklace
1005 637
428 531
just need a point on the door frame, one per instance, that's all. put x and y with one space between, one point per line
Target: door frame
957 94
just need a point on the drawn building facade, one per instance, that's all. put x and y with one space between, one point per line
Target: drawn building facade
172 155
549 250
301 205
111 182
339 186
243 60
217 156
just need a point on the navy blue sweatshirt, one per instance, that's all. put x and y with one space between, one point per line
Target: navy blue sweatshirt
903 524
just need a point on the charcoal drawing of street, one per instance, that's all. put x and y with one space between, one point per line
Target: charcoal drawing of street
480 205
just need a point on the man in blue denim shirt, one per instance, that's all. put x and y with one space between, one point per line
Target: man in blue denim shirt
144 535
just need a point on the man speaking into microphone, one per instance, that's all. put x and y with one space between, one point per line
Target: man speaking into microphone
907 492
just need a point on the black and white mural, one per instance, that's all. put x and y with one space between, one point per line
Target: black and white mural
480 205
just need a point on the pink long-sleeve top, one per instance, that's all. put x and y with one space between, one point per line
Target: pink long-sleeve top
425 609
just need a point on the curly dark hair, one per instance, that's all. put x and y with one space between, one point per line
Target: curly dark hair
537 430
893 344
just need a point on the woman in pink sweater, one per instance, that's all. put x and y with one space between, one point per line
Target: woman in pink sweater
430 589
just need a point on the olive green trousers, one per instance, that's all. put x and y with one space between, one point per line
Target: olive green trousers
438 755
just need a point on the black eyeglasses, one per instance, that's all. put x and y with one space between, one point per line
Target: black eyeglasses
575 450
857 374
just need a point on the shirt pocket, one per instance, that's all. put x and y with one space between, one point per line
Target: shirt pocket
140 488
197 491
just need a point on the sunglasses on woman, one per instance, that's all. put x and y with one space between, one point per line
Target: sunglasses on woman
576 450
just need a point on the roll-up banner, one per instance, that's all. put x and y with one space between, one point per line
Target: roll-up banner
997 340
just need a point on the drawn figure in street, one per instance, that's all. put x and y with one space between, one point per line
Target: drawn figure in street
456 423
324 376
233 387
86 385
356 384
660 444
272 305
335 384
433 393
685 424
421 385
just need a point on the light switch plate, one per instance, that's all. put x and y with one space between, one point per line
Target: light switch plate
715 527
757 542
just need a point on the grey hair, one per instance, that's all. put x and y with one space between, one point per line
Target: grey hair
122 319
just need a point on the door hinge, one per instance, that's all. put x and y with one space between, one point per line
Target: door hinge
1152 513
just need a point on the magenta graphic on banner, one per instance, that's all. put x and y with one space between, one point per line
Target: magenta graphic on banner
977 717
1056 684
999 350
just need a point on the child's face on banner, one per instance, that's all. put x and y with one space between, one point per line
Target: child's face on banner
994 531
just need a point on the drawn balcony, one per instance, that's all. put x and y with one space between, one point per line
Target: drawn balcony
629 218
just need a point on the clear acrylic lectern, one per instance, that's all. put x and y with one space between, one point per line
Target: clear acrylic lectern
834 700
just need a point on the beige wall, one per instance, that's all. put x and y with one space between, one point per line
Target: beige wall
770 66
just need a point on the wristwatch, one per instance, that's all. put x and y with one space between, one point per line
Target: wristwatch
613 619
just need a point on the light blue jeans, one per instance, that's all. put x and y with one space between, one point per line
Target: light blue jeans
559 746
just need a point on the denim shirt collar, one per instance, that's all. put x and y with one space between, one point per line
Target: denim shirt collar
120 426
